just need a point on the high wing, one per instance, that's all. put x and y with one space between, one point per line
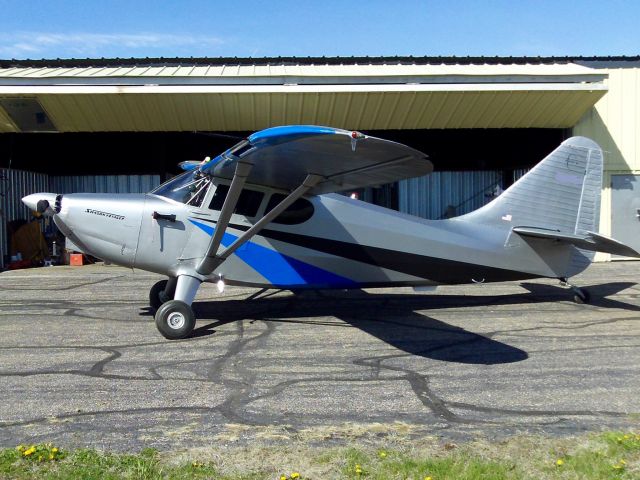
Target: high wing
282 157
303 160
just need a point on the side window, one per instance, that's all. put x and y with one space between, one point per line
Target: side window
248 203
299 211
218 197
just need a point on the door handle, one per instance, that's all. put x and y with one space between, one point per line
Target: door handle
164 216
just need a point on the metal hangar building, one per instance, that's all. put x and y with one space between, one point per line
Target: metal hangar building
123 125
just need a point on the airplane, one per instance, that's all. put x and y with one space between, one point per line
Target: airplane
265 213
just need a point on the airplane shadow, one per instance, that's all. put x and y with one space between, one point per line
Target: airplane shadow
393 318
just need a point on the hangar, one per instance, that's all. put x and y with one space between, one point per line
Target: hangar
122 125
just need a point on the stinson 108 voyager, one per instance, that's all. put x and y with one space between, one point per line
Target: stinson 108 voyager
265 213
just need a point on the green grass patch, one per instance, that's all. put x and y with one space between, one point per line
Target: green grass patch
613 455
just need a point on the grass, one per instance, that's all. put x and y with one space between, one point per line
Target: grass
611 455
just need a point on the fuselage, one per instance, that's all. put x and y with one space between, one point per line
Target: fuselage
324 241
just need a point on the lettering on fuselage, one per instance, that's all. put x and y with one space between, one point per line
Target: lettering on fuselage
105 214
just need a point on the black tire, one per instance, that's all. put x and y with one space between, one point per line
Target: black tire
582 296
156 293
175 320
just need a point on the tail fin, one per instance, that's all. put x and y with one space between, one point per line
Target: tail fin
561 193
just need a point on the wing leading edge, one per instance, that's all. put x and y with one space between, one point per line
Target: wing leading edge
282 157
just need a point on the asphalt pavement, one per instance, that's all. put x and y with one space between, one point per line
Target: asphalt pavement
82 364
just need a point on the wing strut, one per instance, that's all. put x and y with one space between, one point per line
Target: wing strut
208 264
211 262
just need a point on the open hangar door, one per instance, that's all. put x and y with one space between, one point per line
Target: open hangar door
469 163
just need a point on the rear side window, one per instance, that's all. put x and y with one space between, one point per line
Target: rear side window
248 203
299 211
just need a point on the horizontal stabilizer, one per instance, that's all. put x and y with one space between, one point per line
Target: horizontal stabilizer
590 241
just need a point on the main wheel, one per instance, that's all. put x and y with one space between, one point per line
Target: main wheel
157 295
175 319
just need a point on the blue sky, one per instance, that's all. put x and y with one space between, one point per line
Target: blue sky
89 28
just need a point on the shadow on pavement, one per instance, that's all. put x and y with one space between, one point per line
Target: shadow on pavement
393 318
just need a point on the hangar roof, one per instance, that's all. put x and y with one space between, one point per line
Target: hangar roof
250 94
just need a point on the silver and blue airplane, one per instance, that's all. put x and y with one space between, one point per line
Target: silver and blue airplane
265 213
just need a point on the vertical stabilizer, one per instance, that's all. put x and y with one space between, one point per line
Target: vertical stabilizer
561 194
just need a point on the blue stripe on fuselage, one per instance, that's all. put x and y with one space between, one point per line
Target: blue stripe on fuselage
279 269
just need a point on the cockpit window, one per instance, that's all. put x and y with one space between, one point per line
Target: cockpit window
189 188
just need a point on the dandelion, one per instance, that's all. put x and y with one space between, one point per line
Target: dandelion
29 451
428 478
295 475
54 450
382 454
51 457
40 458
559 462
283 477
358 469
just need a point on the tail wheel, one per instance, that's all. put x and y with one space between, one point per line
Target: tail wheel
581 296
175 320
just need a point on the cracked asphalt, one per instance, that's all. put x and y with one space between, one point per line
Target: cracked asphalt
82 364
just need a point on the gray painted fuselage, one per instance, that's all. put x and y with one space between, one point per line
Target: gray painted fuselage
355 243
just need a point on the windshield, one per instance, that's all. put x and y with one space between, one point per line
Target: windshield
189 188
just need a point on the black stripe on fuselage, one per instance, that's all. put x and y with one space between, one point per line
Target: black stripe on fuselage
436 269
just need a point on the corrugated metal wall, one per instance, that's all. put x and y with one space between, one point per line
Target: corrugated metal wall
444 193
614 123
15 184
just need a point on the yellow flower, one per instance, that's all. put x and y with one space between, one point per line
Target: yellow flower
295 475
428 478
29 451
559 462
40 458
382 454
283 477
54 450
20 448
51 457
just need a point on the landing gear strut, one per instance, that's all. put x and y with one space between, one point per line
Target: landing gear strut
580 295
175 319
